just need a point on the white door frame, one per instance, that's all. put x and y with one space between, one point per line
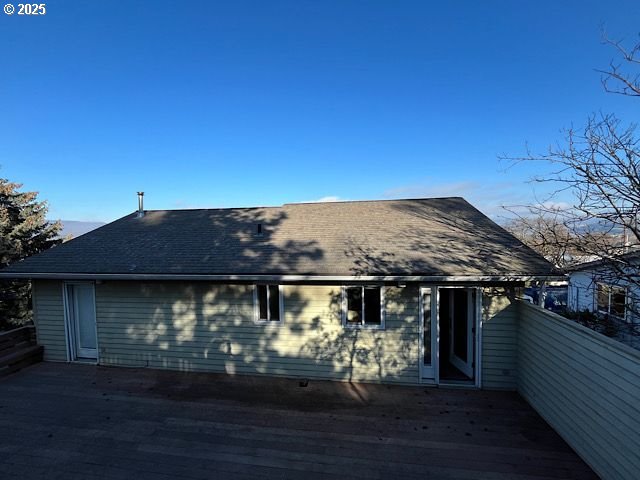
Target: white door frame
467 366
430 374
435 328
71 327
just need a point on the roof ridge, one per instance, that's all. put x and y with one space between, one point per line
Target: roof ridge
205 209
288 204
413 199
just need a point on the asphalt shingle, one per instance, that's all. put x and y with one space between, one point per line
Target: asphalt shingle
438 236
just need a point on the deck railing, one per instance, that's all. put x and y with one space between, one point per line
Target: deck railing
586 386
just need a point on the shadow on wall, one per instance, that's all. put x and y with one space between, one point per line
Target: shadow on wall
211 327
382 354
498 298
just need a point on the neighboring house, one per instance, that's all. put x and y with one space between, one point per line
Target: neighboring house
596 287
400 291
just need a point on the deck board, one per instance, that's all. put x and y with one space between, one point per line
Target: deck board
70 421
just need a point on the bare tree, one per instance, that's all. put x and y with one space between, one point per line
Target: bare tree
545 233
597 167
616 79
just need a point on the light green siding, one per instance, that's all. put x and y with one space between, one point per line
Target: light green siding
49 319
499 338
201 326
586 386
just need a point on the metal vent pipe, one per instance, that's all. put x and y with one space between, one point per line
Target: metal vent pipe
140 204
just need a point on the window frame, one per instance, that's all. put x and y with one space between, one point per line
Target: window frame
363 325
610 287
256 305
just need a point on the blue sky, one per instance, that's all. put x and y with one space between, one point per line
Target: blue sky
209 104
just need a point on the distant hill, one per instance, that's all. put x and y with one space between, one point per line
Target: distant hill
76 228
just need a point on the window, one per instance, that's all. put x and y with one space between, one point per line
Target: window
268 303
612 300
363 307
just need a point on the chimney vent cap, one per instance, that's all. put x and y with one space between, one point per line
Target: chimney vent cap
140 204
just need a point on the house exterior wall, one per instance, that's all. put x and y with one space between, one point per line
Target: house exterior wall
587 386
499 338
202 326
583 293
48 308
199 326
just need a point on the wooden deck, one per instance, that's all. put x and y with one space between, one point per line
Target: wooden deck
79 421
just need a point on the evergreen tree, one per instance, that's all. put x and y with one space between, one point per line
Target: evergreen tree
24 231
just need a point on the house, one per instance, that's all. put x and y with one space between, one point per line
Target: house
603 287
399 291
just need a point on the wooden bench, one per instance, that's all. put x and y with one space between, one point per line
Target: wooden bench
18 349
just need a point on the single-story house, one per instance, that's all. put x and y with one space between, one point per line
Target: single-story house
399 291
598 286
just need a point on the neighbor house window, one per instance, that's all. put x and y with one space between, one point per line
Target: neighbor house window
268 303
612 300
363 307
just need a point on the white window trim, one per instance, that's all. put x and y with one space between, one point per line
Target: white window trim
608 311
362 325
256 306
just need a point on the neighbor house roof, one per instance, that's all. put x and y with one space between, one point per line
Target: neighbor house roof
631 257
434 238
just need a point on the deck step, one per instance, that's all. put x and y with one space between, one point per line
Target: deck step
18 349
20 359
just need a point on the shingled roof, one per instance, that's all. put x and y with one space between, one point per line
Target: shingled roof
434 237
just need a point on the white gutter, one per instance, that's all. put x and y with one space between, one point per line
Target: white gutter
284 278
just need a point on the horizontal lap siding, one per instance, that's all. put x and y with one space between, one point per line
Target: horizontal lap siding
199 326
586 386
499 339
49 319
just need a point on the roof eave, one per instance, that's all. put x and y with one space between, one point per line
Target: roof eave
285 278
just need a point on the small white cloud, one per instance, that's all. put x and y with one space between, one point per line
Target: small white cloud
328 198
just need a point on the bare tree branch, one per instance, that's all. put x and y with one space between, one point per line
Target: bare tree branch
596 167
624 83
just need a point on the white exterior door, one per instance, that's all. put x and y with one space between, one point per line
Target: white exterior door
463 314
81 321
449 326
429 338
